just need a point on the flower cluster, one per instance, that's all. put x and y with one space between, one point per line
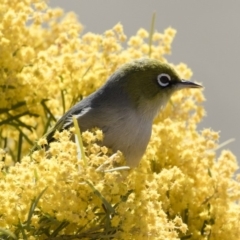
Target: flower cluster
181 189
46 66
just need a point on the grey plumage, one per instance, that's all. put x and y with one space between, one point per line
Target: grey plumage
122 126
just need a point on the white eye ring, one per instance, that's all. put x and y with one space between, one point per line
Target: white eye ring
163 79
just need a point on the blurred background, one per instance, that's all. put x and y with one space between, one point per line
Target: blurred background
207 40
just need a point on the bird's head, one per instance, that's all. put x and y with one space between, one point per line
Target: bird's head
150 83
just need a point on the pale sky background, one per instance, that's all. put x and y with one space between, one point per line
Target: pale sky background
207 40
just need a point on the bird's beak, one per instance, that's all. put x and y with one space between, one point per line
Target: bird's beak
187 84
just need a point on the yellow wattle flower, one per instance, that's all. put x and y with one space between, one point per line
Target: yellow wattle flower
180 190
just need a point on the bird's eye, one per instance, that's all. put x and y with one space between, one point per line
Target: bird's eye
163 79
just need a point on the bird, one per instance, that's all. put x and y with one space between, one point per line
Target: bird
125 106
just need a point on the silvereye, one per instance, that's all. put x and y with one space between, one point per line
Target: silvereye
125 106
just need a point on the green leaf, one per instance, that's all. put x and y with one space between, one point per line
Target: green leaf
109 209
122 168
7 233
12 118
47 110
24 135
79 138
151 33
59 228
63 101
18 105
224 143
19 146
33 206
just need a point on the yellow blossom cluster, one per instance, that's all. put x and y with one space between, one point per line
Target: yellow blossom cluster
46 66
181 190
